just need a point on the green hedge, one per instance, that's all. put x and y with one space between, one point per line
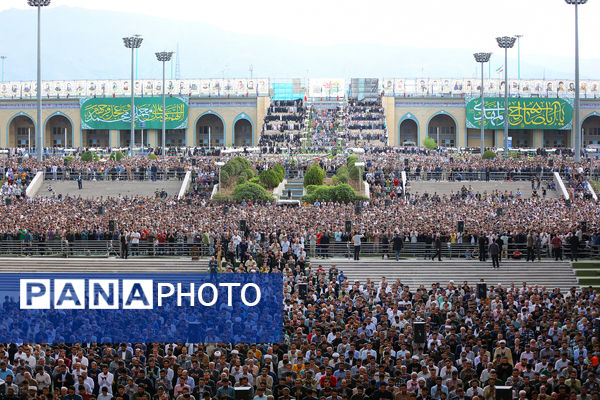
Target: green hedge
342 193
251 192
89 156
152 156
116 156
240 168
269 178
314 175
429 143
488 155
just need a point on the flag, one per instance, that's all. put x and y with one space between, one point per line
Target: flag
500 69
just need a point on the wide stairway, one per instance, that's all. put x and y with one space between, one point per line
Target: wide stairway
446 187
100 265
421 272
295 187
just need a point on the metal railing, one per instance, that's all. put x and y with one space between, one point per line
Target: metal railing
419 250
114 175
478 175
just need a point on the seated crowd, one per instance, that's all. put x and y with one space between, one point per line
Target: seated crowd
283 124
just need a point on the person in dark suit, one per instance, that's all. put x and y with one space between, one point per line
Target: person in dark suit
494 251
63 378
482 241
438 248
574 243
397 245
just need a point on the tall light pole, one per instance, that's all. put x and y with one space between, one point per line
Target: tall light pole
482 58
163 57
38 129
132 42
519 59
576 127
505 42
3 58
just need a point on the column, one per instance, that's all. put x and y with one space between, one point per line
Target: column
113 138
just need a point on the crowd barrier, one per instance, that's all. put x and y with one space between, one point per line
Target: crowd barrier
419 250
115 175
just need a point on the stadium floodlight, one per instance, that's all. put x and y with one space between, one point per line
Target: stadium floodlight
132 42
164 56
38 129
3 58
576 128
506 42
482 58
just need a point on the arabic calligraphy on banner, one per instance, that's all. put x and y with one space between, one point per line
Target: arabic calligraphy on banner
523 113
115 113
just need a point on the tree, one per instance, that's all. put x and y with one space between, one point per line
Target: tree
351 160
224 178
68 160
488 155
87 156
251 192
152 156
269 178
355 173
341 193
278 168
116 156
429 143
314 175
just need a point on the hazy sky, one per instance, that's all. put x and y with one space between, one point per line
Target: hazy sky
547 25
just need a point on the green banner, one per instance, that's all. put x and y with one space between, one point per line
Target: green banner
523 113
115 113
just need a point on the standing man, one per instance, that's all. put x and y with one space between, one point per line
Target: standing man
494 251
574 242
397 243
79 182
530 242
438 248
482 241
557 247
356 241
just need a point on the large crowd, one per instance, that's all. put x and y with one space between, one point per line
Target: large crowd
365 123
284 124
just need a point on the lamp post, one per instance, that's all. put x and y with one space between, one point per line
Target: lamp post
360 165
506 42
38 130
163 57
132 42
220 165
482 58
3 58
576 127
519 58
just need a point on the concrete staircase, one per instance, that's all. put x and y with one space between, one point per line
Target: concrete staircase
296 187
99 265
424 272
446 187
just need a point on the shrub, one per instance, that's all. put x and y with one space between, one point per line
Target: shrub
314 175
254 180
221 197
241 179
152 156
87 156
278 168
429 143
116 156
351 160
224 178
251 192
341 193
68 160
355 173
269 178
311 188
488 155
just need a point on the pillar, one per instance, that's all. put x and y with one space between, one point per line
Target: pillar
113 138
538 138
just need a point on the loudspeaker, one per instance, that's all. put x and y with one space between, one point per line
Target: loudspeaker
243 225
500 211
101 210
242 393
111 225
482 290
357 209
388 202
302 290
348 226
461 226
419 332
406 162
551 162
193 162
504 393
583 226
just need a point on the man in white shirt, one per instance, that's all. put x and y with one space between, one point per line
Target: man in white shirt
105 379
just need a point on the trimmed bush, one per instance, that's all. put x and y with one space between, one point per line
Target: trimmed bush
429 143
488 155
116 156
87 156
278 168
224 178
152 156
221 198
251 192
355 173
254 180
240 169
351 160
341 193
269 178
314 175
68 160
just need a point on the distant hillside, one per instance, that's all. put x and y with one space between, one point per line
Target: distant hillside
84 44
